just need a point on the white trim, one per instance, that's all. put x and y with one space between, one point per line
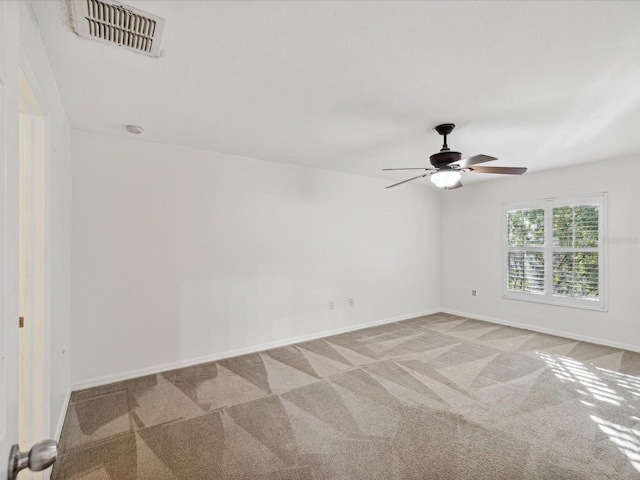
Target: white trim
58 433
549 331
4 311
62 416
118 377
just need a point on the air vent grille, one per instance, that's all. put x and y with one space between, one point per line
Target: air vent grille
111 22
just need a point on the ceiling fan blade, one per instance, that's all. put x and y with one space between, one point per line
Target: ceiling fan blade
409 179
501 170
458 184
467 162
410 168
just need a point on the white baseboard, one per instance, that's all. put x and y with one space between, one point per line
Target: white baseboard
140 372
550 331
62 416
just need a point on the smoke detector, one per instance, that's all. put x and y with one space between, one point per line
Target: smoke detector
108 21
135 129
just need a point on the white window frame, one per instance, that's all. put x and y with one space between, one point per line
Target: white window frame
548 204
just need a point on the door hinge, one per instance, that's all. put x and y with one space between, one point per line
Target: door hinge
21 322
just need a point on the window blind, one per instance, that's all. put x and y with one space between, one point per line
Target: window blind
525 264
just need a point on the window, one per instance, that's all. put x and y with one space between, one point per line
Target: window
554 251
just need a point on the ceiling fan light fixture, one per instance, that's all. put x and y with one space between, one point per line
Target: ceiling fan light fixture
445 179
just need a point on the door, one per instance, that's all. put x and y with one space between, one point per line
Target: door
32 272
9 307
11 405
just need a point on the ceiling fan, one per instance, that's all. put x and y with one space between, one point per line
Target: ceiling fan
449 165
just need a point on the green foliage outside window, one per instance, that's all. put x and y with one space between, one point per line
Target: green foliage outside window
526 268
575 273
526 228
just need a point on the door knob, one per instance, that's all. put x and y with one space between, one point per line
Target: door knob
41 456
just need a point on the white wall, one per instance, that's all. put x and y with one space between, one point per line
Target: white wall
180 254
471 251
36 65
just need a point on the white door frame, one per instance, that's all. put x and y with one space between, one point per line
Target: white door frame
35 150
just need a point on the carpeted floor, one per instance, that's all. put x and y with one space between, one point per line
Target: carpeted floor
437 397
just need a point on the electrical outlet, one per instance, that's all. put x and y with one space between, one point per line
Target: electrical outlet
473 292
331 305
351 302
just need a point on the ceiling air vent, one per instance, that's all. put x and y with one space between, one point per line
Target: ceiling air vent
111 22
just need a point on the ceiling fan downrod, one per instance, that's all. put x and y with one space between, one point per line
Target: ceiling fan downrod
445 129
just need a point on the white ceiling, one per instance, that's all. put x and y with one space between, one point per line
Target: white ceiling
359 86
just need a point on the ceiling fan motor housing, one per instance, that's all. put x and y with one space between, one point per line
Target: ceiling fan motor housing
443 158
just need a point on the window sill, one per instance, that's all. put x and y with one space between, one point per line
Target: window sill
544 301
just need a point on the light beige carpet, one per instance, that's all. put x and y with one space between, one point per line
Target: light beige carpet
437 397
